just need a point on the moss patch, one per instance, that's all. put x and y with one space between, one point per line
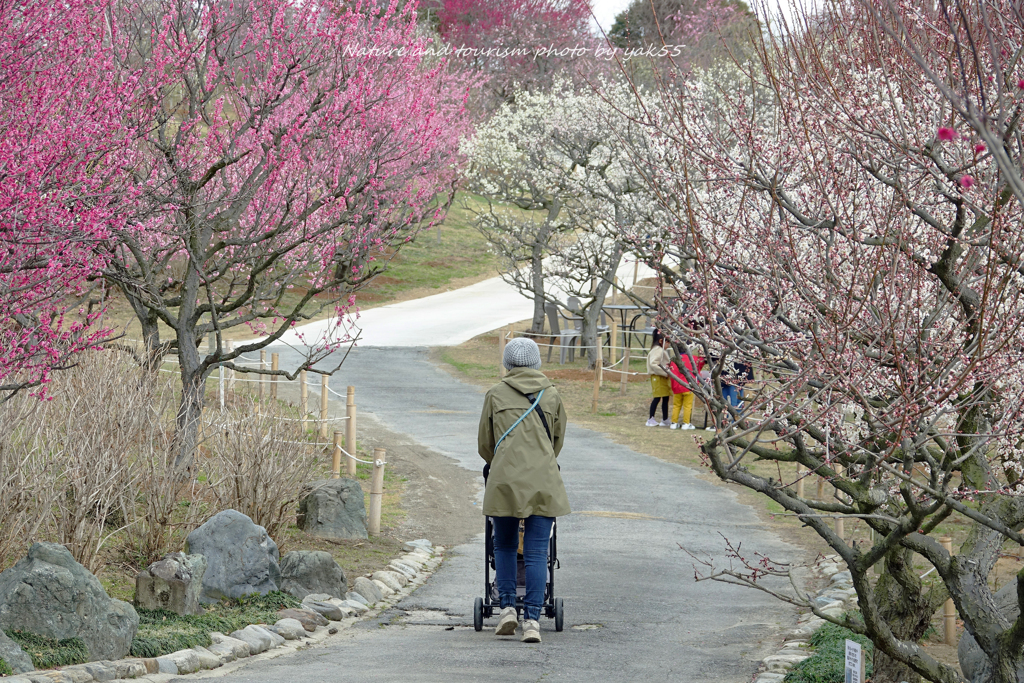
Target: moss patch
828 663
161 632
5 669
47 653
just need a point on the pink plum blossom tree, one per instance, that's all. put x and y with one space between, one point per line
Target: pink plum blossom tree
278 164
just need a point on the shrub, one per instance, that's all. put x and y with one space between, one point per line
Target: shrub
828 663
47 653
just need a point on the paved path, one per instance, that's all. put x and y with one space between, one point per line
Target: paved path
445 319
621 567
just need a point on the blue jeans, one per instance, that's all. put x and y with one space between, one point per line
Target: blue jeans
535 557
731 394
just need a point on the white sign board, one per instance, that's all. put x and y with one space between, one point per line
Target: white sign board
854 663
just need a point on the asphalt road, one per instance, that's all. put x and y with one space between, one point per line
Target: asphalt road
632 608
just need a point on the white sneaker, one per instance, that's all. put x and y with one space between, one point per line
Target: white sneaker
687 425
507 622
531 631
652 422
674 426
666 423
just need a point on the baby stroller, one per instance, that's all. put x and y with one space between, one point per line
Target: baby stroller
485 606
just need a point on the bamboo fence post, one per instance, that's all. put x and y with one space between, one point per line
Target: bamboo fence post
376 491
323 406
350 430
275 361
799 480
624 376
598 367
949 609
336 457
220 386
501 353
263 367
303 398
840 523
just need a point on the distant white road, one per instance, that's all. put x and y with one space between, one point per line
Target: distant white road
446 319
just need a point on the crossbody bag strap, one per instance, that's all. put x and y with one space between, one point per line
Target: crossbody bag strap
540 413
521 418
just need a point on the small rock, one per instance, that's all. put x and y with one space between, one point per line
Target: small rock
770 677
392 580
829 605
151 666
15 657
332 630
225 652
385 589
17 679
307 617
239 648
257 639
835 612
828 569
129 668
368 589
352 595
332 612
439 550
418 544
355 606
319 597
783 662
312 572
290 629
76 673
101 671
401 568
166 665
207 660
186 661
276 640
795 644
414 559
173 583
333 508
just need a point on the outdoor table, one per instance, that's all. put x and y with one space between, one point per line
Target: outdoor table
624 310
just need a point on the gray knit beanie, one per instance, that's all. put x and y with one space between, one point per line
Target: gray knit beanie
521 353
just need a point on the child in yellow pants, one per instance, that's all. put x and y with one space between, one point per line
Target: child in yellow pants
682 397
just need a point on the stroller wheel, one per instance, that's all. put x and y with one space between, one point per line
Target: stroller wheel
558 614
478 614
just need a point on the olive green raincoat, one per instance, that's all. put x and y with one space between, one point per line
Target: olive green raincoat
524 479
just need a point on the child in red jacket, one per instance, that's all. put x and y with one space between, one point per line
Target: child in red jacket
682 397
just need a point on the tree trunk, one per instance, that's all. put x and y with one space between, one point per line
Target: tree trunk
152 353
905 609
592 312
190 410
537 279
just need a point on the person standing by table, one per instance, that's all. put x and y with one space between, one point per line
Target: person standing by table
657 367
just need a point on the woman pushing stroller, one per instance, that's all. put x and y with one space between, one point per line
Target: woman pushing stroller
522 426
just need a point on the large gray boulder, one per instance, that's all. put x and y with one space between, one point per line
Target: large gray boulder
173 583
241 557
304 572
333 508
973 662
48 593
15 657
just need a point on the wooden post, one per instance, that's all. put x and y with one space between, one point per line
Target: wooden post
598 374
275 361
820 493
220 386
636 270
501 353
624 377
376 491
303 398
263 366
799 480
336 457
949 609
840 526
350 430
323 406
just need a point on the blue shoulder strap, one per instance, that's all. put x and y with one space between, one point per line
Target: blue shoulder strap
521 418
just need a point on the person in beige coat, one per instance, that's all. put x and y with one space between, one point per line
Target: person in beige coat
522 427
657 367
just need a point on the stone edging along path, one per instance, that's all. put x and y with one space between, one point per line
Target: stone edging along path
257 642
